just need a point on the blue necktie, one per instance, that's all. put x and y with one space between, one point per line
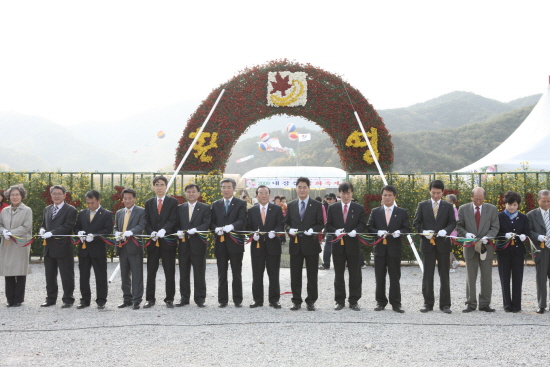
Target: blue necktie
302 210
226 206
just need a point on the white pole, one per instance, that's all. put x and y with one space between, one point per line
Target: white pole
385 183
115 272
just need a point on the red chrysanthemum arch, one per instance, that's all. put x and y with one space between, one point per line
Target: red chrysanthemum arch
245 102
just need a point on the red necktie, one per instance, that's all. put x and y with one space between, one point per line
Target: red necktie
478 216
159 207
345 212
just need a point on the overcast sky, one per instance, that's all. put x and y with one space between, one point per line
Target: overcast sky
77 61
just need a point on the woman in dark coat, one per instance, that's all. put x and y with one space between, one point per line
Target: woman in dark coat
510 260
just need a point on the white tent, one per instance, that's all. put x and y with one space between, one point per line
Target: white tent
527 146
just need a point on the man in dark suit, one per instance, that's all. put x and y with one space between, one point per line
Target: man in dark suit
304 215
435 217
130 221
346 217
265 249
90 225
192 217
478 220
59 219
539 222
228 214
388 218
160 218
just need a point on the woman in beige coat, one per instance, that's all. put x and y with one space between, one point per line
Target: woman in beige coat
16 221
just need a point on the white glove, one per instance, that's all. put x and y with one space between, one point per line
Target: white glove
118 236
485 240
47 235
42 231
161 233
427 234
220 232
271 234
352 233
6 234
522 237
228 228
338 232
442 233
128 234
382 233
154 235
541 238
81 233
508 235
309 232
470 235
89 237
256 236
192 231
292 231
179 234
396 234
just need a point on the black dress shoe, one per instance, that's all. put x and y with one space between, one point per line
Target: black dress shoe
398 309
515 311
47 304
426 308
100 307
149 304
446 309
295 307
487 309
355 307
17 304
311 306
540 310
468 309
275 305
182 303
338 306
507 310
379 308
170 304
222 305
125 304
67 305
136 306
256 304
9 305
200 304
238 305
80 306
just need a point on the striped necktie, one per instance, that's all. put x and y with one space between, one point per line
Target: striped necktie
55 209
126 220
547 222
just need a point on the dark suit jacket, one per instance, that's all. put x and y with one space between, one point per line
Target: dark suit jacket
62 224
166 219
236 215
424 220
274 221
356 220
200 220
520 226
313 218
102 224
136 224
399 221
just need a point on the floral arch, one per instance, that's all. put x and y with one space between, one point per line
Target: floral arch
289 88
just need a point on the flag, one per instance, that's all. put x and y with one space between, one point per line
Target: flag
245 158
304 137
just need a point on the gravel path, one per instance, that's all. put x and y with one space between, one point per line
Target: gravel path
32 335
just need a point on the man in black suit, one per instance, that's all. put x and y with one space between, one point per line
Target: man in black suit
192 217
388 218
228 214
435 217
90 225
160 218
265 249
130 221
304 215
348 218
59 219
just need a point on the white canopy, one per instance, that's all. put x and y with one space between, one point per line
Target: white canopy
527 146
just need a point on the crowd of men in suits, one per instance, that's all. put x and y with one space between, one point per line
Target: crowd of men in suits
179 231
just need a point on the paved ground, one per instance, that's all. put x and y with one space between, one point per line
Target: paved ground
31 335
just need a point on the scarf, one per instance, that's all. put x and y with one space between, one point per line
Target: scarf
513 215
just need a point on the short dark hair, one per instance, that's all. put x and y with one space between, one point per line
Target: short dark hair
93 194
159 178
512 197
129 191
318 198
345 187
58 187
330 196
191 185
283 198
437 184
303 179
389 188
276 197
19 188
262 187
230 180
